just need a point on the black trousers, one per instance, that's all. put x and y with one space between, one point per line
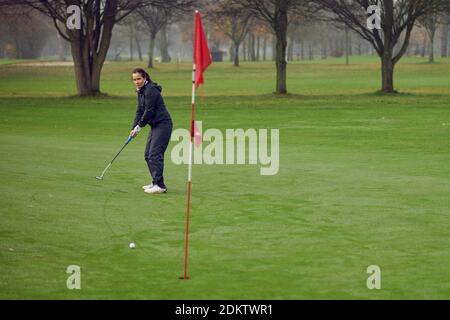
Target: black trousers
157 142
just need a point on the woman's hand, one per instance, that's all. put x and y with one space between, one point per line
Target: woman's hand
135 131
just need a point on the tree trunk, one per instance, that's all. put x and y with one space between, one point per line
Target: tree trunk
138 47
244 51
131 42
249 48
347 46
231 51
290 48
258 45
264 48
431 57
424 47
151 49
164 45
302 49
274 48
82 78
281 35
252 47
387 62
324 49
444 40
359 47
311 50
88 63
387 72
417 49
236 54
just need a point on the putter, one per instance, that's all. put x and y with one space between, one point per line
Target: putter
107 167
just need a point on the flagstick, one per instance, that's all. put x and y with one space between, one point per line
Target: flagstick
189 177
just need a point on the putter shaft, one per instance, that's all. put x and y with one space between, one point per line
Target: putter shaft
107 167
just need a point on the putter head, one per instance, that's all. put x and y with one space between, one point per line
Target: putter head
99 178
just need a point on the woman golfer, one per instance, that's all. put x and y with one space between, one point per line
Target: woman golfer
152 110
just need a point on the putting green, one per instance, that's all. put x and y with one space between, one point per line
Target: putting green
363 180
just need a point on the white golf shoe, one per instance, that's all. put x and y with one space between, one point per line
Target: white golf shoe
155 190
148 186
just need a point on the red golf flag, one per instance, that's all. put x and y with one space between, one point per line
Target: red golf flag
202 56
202 59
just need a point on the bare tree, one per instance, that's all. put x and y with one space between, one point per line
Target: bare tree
138 40
235 23
445 25
347 45
23 40
276 14
154 19
129 23
90 42
158 16
301 28
164 44
135 28
431 23
397 21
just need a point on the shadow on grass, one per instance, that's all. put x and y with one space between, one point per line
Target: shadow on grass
104 97
432 63
374 94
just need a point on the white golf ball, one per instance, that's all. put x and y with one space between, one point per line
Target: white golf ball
132 245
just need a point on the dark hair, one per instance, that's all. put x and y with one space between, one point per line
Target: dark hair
142 73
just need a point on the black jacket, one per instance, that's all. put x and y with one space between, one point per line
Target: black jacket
151 108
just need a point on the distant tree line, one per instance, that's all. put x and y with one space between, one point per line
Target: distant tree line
249 30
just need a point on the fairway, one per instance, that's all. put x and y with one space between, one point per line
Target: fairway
364 179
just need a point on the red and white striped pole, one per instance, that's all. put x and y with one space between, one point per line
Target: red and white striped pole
186 242
202 59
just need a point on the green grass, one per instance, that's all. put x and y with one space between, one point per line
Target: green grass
364 180
9 61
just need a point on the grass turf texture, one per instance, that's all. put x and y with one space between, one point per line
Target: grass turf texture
363 180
